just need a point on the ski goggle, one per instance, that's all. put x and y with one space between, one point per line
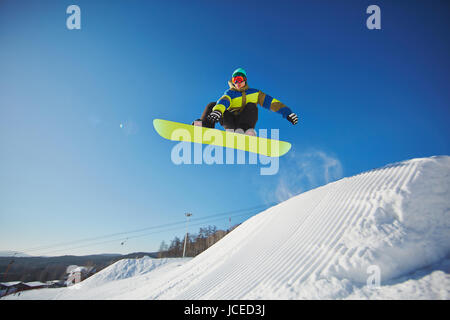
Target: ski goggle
238 79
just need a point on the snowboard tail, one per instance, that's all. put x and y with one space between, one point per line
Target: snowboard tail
177 131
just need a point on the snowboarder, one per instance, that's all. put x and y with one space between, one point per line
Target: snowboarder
237 108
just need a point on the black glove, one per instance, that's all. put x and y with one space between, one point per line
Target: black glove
293 118
214 116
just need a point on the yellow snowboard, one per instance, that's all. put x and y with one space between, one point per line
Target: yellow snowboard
177 131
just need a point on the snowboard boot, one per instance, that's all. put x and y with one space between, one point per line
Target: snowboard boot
249 132
204 123
197 123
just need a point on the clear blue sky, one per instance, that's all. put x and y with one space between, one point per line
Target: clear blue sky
68 171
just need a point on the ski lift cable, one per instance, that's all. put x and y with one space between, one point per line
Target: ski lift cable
40 248
138 236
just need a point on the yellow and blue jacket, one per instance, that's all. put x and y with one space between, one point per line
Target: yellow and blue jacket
234 100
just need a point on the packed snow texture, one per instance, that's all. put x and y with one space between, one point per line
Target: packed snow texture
382 234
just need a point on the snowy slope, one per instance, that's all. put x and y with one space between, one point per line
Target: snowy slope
322 244
126 268
112 282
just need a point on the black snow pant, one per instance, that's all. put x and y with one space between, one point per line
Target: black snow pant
244 120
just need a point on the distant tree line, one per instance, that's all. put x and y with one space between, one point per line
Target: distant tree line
195 244
55 268
46 268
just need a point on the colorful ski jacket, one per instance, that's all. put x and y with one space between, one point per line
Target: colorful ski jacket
234 100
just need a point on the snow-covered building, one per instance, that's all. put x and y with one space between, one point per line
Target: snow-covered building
77 274
18 286
35 285
55 283
11 287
